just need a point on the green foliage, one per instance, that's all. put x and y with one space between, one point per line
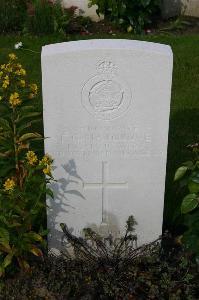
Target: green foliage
46 17
94 246
188 175
12 15
22 180
101 270
134 15
41 17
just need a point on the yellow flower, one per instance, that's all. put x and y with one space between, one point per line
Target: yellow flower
8 68
14 99
12 56
47 170
1 98
9 185
31 158
20 72
1 74
3 67
6 82
23 72
34 88
22 83
46 160
46 163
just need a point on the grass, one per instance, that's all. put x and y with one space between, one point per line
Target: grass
184 119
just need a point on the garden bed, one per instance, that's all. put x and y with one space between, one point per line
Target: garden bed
157 275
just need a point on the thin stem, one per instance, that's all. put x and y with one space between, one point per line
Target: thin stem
15 140
30 50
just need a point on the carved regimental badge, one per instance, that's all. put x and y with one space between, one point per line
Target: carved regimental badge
106 95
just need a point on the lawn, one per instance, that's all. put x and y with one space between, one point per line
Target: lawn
184 118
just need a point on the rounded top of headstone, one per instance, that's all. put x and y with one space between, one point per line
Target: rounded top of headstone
113 44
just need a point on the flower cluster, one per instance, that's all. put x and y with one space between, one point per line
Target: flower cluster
45 163
9 185
34 90
31 158
13 86
23 181
14 99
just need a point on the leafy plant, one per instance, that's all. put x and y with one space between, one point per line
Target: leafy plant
12 15
188 175
41 17
100 268
134 15
108 257
22 180
47 17
94 246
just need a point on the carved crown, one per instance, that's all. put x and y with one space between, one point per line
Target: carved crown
106 67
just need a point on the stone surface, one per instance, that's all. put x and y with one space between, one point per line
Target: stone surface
191 8
172 8
106 113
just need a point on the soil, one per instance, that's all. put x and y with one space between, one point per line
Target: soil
157 275
177 26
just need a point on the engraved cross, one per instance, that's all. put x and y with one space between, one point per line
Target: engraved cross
104 185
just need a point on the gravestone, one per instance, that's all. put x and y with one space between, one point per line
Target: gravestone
106 118
171 8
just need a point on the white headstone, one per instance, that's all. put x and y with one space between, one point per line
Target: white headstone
106 116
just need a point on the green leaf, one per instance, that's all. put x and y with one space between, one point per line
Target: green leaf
145 3
34 236
193 187
36 251
189 203
4 235
195 177
27 125
5 124
14 224
180 173
28 136
49 192
189 164
44 232
30 115
5 154
5 248
27 108
8 259
2 271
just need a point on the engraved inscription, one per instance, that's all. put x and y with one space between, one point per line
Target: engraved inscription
106 66
104 142
106 95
